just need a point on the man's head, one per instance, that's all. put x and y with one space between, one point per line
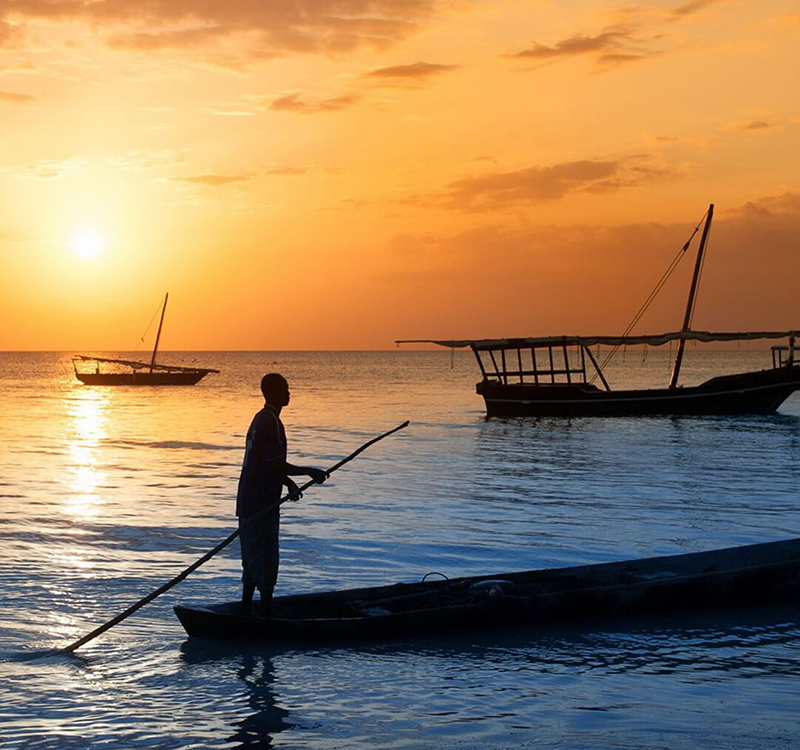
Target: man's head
275 389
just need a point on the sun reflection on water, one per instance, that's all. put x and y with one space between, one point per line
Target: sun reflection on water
87 420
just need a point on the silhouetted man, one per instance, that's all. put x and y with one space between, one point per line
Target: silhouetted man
265 471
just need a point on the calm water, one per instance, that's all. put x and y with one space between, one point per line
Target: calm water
107 493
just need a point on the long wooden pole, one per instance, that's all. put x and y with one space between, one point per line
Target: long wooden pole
687 319
158 335
224 543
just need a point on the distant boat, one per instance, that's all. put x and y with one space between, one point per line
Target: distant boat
88 370
553 376
736 577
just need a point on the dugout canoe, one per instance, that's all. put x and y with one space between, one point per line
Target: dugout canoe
767 573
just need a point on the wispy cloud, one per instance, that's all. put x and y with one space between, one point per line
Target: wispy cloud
14 98
531 185
540 184
608 41
757 125
756 122
212 180
294 103
695 6
638 34
419 71
290 171
135 161
273 28
50 169
10 33
614 46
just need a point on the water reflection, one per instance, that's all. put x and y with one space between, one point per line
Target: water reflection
265 718
499 686
86 427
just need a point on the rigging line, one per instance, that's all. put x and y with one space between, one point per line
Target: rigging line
643 309
149 325
654 293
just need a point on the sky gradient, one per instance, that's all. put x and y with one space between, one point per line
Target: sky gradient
309 174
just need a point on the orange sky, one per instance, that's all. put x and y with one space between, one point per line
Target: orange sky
320 174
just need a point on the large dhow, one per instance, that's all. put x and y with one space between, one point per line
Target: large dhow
88 369
737 577
555 376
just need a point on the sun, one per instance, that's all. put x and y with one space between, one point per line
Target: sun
87 244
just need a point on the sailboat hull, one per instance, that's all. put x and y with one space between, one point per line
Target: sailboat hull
759 392
140 378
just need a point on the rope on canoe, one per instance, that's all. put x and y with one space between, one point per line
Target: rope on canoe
224 543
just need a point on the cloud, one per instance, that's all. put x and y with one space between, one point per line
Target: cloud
783 205
617 45
20 67
45 169
211 180
168 39
275 27
636 36
540 184
757 125
416 72
575 45
621 58
9 96
293 103
531 185
695 6
10 33
144 160
285 171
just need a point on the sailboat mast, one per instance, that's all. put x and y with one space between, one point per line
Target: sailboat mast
673 381
158 335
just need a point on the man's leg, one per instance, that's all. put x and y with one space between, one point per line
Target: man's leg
248 589
270 564
266 603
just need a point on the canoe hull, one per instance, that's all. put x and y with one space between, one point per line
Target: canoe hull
759 392
736 577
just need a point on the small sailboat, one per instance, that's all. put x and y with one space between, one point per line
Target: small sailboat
88 369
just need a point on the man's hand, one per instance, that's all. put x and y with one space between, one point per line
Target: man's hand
294 490
318 475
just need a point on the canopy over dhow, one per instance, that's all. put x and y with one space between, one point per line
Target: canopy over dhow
655 339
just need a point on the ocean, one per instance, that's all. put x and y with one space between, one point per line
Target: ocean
106 493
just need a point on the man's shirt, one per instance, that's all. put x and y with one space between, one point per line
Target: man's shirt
258 485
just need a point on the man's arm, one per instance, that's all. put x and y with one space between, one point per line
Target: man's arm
318 475
287 470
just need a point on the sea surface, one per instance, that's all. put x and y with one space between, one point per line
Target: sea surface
106 493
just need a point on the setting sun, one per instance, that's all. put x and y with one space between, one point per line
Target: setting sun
87 245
